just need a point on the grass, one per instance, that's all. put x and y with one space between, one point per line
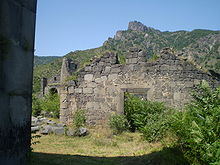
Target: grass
102 148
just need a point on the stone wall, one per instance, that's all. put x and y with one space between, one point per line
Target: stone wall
58 81
17 31
101 85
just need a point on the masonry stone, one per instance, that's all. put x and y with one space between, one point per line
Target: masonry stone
87 90
78 90
17 30
88 77
101 85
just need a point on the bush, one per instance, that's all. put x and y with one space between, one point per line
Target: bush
36 105
150 118
51 104
198 128
118 123
79 119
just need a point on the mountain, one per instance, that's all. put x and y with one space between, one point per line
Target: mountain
39 60
201 47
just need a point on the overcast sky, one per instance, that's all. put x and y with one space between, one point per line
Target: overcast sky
69 25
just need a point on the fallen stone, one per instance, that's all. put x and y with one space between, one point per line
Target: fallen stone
47 129
60 125
35 129
83 131
70 132
58 130
50 122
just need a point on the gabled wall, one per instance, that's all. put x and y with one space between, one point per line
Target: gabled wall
101 85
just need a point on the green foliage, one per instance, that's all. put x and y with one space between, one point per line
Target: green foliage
79 119
198 128
154 58
121 59
118 123
72 77
150 118
39 60
36 105
51 103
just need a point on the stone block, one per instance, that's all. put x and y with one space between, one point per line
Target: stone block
70 132
98 80
83 132
112 77
99 91
89 105
88 77
35 129
63 101
101 63
197 82
107 69
189 84
71 90
91 84
58 130
116 70
177 96
104 78
78 90
132 60
88 68
47 129
87 90
99 99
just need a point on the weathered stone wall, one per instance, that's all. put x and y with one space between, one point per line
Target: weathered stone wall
101 85
58 81
17 30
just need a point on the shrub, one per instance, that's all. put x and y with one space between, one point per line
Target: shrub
79 119
150 118
51 103
118 123
198 128
36 105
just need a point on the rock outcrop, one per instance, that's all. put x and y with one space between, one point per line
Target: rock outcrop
138 26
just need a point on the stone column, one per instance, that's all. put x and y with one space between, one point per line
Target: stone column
17 31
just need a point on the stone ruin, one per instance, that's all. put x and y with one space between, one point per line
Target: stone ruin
100 86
